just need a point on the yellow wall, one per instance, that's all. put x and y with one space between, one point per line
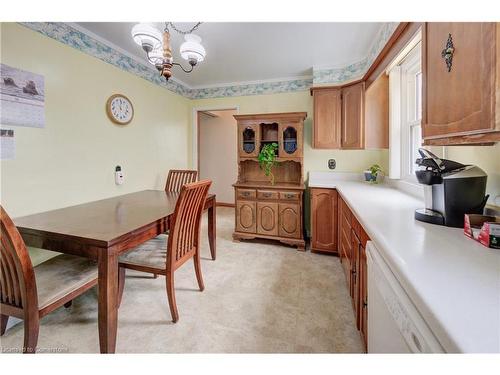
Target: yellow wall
72 159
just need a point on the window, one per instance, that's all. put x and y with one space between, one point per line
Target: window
411 112
405 80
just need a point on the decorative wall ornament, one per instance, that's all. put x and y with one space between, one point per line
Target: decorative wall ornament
447 53
66 34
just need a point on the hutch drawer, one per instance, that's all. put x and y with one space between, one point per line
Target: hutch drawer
246 193
267 194
289 195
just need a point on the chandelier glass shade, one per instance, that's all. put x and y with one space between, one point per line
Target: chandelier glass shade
159 51
147 36
192 48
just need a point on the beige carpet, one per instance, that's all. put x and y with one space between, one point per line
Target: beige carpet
260 297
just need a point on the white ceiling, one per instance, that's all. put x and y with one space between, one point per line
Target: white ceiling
242 52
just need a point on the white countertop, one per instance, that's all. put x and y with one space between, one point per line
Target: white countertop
453 281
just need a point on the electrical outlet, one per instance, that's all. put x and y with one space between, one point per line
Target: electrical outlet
332 164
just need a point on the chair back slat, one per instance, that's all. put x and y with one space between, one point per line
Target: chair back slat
178 177
17 277
184 234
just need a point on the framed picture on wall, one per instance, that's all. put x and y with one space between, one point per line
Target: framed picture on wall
22 97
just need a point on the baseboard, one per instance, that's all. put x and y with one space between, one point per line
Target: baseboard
223 204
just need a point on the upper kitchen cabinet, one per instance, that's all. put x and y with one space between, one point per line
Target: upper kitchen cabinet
460 83
377 113
327 118
353 116
340 115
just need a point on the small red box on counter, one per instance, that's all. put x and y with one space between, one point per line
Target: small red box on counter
482 228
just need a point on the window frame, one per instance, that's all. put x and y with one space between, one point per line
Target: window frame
411 67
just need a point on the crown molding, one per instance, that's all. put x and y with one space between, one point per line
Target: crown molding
80 38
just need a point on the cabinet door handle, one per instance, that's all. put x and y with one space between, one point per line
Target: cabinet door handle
289 195
245 193
268 195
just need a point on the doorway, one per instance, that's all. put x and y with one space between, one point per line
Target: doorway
217 152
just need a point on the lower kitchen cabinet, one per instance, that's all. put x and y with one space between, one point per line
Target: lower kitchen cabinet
335 228
324 220
363 295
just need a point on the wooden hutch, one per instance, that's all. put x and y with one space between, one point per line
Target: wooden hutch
264 210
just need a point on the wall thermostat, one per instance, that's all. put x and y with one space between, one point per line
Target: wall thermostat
119 178
332 163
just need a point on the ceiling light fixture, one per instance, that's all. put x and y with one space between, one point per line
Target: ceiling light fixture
159 51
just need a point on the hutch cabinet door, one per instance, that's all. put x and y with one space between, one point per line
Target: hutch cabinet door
290 139
267 218
290 219
324 220
248 140
246 217
353 116
458 100
327 118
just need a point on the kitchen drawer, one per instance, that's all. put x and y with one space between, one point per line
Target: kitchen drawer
346 245
246 193
267 194
290 195
346 227
346 211
356 226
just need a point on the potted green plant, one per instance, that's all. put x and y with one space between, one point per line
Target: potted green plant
267 159
372 173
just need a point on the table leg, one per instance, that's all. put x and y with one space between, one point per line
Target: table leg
212 228
108 293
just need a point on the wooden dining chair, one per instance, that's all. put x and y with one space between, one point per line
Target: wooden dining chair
178 177
165 254
28 292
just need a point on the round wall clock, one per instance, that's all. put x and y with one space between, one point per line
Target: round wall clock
119 109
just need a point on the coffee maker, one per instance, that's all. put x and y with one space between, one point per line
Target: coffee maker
451 190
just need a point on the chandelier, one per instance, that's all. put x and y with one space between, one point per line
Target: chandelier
159 51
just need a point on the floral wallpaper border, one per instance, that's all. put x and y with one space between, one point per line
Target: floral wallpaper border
356 70
66 34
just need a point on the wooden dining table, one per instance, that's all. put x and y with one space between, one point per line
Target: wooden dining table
102 230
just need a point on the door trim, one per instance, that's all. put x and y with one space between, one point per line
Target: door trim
195 134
